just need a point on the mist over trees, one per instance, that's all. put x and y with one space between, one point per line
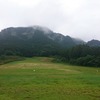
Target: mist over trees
40 41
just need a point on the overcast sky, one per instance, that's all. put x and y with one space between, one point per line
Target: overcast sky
77 18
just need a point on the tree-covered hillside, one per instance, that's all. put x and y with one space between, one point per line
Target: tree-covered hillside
41 41
32 41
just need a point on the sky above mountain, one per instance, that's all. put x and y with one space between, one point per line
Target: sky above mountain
77 18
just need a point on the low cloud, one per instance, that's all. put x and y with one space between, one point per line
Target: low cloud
77 18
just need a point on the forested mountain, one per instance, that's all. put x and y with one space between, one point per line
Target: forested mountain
93 43
41 41
30 41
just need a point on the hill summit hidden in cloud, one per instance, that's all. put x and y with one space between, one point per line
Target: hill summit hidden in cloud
35 40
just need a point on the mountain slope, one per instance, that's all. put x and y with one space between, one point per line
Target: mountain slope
78 41
94 43
31 41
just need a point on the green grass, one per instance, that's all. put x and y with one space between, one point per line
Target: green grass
40 79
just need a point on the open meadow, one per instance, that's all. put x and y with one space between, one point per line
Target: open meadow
39 78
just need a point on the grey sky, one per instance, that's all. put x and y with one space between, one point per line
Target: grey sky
77 18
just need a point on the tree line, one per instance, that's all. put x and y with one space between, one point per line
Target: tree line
79 55
83 55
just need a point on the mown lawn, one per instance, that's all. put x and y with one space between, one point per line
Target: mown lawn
40 79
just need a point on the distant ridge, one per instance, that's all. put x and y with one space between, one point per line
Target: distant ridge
36 40
93 43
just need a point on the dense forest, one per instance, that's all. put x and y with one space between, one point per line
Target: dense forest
81 55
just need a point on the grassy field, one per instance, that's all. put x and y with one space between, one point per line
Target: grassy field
40 79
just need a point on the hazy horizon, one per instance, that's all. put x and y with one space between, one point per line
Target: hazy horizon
76 18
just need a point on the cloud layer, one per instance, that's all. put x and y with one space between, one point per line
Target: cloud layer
77 18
